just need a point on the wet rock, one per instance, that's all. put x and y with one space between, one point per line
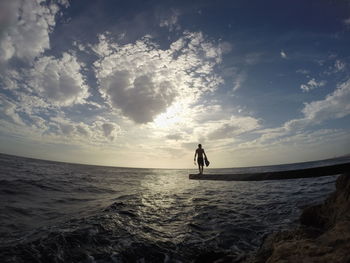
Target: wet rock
323 236
208 257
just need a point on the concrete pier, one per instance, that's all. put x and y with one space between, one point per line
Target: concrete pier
280 175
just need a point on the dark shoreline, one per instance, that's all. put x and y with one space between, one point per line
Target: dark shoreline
279 175
323 234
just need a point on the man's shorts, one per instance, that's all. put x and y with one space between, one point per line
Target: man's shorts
200 161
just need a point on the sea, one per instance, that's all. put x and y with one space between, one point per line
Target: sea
63 212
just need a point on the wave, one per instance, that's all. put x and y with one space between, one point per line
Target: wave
24 184
77 213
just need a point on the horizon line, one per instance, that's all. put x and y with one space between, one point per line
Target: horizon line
131 167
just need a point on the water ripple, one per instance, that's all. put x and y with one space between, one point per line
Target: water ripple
56 212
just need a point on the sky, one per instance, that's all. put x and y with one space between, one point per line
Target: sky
141 83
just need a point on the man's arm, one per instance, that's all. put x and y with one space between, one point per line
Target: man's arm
195 154
205 154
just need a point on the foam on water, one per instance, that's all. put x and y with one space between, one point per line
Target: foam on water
59 212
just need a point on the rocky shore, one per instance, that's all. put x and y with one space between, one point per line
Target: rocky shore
323 234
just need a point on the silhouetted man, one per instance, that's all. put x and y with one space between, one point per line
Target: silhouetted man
200 160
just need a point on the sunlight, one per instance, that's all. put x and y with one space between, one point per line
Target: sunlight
174 114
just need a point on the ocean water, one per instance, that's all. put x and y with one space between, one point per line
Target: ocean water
60 212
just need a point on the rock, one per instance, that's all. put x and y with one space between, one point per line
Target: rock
323 236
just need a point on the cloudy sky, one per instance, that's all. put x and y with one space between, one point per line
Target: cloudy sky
141 83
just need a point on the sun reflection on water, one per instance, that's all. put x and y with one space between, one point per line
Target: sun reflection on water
166 204
165 190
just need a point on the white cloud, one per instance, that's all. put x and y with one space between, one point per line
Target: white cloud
175 136
98 131
59 81
142 80
237 82
234 126
83 129
10 111
304 88
32 105
339 65
171 21
312 84
38 122
335 105
10 79
283 54
80 46
300 146
303 71
26 28
104 46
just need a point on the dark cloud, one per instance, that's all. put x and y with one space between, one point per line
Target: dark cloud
107 128
140 100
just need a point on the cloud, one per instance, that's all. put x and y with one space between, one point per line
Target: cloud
300 145
26 28
83 129
98 131
33 105
142 80
110 130
174 153
232 127
171 21
79 46
140 98
339 65
38 122
237 82
312 84
175 136
190 145
10 79
59 81
283 54
303 71
335 105
67 129
10 111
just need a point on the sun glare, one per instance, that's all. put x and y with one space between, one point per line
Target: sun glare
173 115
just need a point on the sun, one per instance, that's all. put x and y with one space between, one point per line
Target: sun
174 114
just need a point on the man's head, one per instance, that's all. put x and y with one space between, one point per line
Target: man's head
199 145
